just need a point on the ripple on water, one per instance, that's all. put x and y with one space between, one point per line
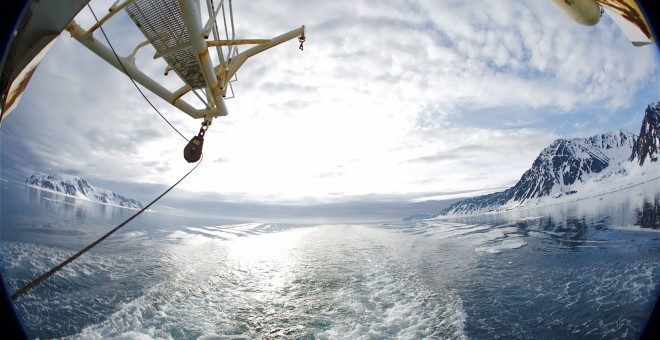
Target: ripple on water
332 282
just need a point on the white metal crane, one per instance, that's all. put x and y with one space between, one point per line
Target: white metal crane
184 33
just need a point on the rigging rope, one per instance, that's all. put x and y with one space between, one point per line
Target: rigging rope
131 78
43 277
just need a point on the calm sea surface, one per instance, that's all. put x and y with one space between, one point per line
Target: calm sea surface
579 270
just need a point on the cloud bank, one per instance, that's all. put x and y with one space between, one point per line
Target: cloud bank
388 97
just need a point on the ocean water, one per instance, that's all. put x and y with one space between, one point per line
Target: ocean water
578 270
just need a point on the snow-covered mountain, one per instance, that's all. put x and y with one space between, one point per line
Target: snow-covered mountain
578 168
79 188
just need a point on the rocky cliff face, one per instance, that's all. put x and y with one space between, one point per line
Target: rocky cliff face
80 188
646 145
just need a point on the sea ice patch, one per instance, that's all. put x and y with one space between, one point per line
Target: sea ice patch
506 244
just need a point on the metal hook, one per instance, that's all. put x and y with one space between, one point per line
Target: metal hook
302 40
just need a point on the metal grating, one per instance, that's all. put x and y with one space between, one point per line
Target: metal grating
161 21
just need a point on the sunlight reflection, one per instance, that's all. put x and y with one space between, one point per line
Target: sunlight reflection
270 259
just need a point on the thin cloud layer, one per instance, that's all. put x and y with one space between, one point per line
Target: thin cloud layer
388 97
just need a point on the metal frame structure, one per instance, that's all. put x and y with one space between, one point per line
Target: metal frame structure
175 29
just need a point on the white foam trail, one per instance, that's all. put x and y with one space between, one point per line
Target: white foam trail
196 235
328 282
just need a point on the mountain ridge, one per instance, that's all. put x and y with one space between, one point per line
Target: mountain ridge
648 142
78 187
575 168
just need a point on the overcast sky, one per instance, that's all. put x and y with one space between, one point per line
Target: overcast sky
389 98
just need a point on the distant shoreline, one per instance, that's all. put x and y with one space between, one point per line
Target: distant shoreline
76 197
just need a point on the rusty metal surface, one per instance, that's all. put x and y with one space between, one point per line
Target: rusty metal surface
37 26
629 10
